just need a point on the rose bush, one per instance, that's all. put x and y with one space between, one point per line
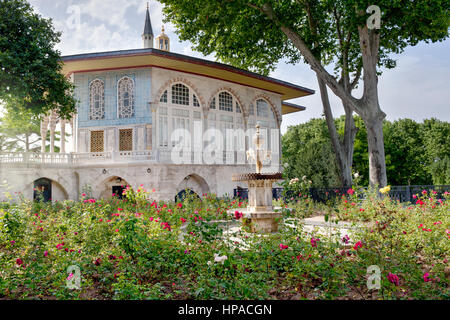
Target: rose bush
138 248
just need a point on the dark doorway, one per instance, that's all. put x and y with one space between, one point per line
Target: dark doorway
118 191
43 190
186 193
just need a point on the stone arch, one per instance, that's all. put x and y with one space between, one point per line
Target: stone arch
183 81
55 191
275 111
235 96
110 185
183 193
195 183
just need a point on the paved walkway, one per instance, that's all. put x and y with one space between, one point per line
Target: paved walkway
315 226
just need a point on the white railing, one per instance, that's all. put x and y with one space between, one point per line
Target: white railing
90 157
34 158
158 156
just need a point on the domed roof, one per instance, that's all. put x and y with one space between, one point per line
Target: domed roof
162 35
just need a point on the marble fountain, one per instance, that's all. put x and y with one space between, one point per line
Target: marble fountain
259 214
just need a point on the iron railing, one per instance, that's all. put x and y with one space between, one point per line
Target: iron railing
401 193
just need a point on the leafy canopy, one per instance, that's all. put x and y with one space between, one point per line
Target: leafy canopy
416 153
240 33
30 67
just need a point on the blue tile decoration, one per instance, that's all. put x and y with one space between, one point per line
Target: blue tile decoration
142 112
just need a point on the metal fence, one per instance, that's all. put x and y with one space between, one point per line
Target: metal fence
401 193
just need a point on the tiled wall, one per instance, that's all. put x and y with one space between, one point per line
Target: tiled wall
142 112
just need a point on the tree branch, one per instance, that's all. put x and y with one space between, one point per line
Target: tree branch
356 78
315 64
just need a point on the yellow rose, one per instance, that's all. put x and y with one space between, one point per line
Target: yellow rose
385 189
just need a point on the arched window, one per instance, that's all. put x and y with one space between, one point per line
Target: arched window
125 93
251 109
262 108
164 97
213 104
97 100
265 117
225 102
179 109
180 94
196 103
225 115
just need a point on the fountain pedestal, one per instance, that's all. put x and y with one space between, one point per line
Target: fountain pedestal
259 214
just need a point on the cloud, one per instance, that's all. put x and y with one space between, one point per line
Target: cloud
110 12
417 88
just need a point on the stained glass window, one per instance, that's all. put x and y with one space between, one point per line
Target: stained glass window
97 100
125 89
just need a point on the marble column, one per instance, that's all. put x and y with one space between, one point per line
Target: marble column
154 142
44 130
74 134
62 148
53 121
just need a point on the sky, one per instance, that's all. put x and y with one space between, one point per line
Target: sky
418 88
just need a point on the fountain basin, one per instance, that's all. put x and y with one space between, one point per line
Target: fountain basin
260 215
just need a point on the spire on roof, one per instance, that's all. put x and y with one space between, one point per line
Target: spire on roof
148 24
147 36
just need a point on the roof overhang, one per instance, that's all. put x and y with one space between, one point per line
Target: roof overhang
147 58
287 107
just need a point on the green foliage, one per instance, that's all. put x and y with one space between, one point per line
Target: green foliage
436 137
21 129
124 253
30 73
416 153
257 34
306 151
238 32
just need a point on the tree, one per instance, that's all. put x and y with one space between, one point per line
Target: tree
408 163
436 138
30 67
416 153
21 129
307 152
6 144
258 33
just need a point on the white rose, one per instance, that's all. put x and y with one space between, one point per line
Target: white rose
220 259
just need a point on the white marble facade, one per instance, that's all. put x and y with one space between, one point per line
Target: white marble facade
73 174
130 104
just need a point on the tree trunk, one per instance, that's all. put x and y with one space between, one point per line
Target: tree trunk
377 161
344 159
368 106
